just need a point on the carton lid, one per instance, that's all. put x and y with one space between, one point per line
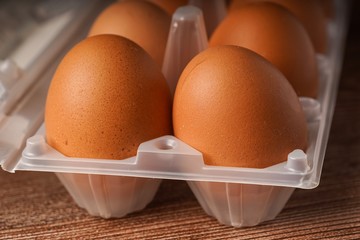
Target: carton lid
26 73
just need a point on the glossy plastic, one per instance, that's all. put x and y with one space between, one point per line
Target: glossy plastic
25 76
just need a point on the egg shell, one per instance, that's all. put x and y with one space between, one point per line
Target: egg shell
142 22
169 6
106 97
328 8
237 109
273 32
309 12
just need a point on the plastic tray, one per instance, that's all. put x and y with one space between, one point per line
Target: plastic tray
26 74
234 196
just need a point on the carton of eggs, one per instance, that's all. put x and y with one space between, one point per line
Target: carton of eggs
243 139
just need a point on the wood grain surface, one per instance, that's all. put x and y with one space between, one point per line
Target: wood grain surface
36 205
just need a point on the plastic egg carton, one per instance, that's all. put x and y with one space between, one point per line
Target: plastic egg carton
25 74
234 196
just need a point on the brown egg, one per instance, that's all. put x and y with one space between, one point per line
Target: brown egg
328 8
170 6
273 32
309 12
237 109
106 97
142 22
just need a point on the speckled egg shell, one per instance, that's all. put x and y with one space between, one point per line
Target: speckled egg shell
237 109
273 32
106 97
309 12
142 22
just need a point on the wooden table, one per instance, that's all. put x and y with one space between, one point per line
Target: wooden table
36 205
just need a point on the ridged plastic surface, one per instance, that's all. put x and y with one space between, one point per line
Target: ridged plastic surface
109 196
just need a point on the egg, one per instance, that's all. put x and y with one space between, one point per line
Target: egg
142 22
273 32
106 97
213 11
170 6
237 109
328 7
309 12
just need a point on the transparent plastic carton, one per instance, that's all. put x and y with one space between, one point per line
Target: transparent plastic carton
26 72
234 196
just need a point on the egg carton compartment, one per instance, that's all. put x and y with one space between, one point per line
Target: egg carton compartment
234 196
27 69
113 188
